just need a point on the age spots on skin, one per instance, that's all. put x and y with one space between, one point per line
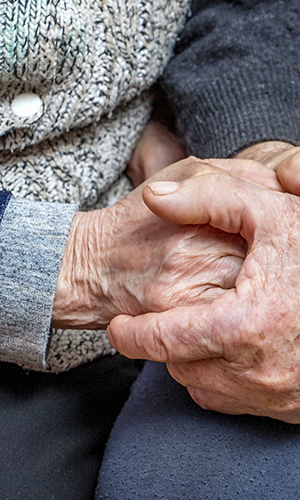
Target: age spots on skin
258 356
262 336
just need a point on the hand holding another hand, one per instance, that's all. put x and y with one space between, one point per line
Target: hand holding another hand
237 355
124 259
241 353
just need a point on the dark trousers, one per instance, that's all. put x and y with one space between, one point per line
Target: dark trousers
163 446
53 429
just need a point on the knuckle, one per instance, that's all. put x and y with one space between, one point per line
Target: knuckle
179 372
278 384
161 342
201 398
293 160
284 406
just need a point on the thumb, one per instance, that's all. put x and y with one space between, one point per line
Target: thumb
183 333
288 172
217 198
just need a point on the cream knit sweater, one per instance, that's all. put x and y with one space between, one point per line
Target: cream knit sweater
90 62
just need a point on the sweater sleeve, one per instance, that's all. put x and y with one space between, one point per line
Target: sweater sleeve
33 237
234 79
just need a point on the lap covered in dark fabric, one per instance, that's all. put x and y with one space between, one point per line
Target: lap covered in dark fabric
163 446
53 428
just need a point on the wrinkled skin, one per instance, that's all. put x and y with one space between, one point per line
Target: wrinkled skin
124 259
241 353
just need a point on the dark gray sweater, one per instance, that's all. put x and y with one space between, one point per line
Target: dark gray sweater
234 79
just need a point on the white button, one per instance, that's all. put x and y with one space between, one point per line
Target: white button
25 105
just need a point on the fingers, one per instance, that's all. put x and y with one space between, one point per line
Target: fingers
216 198
218 385
217 390
288 172
266 152
166 336
222 403
181 334
156 149
181 170
192 167
278 157
249 169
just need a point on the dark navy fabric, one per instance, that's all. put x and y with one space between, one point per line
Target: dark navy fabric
163 446
53 428
4 199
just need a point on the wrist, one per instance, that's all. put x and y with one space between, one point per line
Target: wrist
79 297
265 152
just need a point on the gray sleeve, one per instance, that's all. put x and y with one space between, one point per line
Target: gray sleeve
33 237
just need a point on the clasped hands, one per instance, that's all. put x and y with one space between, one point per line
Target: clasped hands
241 352
228 328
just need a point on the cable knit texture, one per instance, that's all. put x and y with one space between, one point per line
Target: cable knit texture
91 63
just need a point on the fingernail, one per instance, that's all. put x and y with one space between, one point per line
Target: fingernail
108 333
163 187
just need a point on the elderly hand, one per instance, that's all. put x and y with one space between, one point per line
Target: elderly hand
282 158
156 149
241 353
124 259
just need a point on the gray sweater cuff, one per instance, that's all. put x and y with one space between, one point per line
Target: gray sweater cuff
33 237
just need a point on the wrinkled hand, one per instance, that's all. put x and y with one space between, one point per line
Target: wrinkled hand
156 149
241 353
282 158
124 259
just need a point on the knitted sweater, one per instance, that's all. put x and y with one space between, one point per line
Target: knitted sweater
88 64
234 80
235 77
